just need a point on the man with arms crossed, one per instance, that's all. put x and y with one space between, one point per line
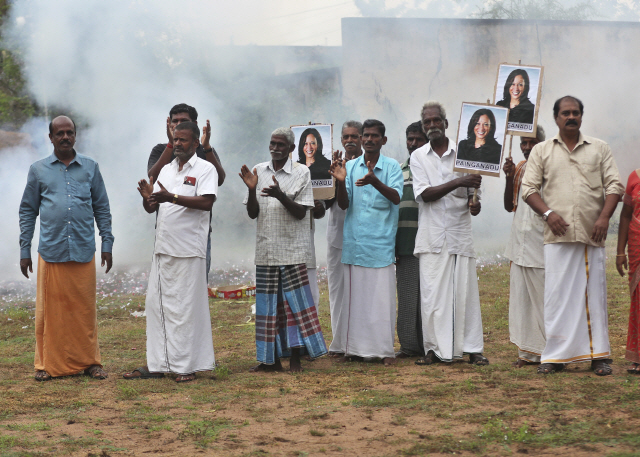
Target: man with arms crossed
286 317
582 188
178 321
525 250
67 191
451 320
351 139
369 189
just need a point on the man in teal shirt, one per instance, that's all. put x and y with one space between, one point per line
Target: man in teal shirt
369 189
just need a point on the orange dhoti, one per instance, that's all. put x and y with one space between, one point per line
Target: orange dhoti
66 318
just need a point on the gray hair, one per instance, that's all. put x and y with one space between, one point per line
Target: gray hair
434 104
352 124
285 132
540 135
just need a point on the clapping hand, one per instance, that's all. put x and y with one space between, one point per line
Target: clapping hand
162 196
206 135
369 178
169 131
337 169
250 179
273 190
145 188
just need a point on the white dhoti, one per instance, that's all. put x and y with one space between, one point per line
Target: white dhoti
526 311
575 303
370 305
178 321
336 272
450 302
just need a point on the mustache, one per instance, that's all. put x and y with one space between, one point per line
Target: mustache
350 144
571 122
434 130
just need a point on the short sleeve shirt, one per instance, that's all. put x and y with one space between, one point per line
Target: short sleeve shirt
180 231
281 238
448 218
371 222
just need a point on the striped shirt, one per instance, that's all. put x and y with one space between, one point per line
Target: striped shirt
408 215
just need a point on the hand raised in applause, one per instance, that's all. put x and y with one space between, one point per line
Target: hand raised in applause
509 168
338 169
169 131
249 178
206 135
273 190
162 196
472 181
145 188
369 178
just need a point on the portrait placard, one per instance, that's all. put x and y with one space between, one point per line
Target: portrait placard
314 146
481 139
518 88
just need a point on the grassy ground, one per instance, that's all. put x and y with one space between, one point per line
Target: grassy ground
330 409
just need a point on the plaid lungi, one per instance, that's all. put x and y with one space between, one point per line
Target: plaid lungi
409 325
285 313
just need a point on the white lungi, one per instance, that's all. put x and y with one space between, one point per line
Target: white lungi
526 311
312 274
336 272
178 320
370 304
575 308
450 302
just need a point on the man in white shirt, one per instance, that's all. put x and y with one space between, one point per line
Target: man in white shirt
525 250
179 336
351 139
451 320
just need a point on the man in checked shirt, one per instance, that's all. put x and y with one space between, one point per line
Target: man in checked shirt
287 322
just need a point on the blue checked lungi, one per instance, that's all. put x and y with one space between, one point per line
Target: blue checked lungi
285 313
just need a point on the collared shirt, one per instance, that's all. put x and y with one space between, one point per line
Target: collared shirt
574 184
281 238
181 231
408 215
526 243
371 222
447 218
335 225
68 199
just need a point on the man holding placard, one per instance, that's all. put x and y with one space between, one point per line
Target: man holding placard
451 320
525 250
581 191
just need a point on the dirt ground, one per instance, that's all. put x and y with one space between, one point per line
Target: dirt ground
351 409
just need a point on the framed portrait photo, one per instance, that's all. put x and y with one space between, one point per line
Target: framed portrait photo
481 139
518 88
314 146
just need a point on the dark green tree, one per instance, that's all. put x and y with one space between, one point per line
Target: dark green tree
15 104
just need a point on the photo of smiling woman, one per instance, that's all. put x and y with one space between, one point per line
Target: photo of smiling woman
480 144
518 88
310 154
516 97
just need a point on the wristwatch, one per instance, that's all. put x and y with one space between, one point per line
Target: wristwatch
545 216
175 199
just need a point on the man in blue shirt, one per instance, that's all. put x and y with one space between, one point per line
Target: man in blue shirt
67 191
369 188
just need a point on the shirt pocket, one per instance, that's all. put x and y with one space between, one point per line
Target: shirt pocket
592 174
187 190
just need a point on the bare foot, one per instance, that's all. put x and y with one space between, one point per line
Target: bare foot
388 361
186 377
523 363
263 367
336 355
42 375
294 362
